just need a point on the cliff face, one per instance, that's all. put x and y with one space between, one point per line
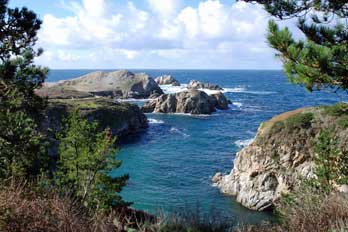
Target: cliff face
280 156
121 118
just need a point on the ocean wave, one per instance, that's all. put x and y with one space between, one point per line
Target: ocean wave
238 104
169 89
175 130
243 143
182 114
244 90
234 90
133 100
154 121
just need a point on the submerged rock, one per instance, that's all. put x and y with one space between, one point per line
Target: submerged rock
192 102
279 158
118 84
199 85
167 80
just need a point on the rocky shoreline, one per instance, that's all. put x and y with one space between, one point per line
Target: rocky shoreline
280 157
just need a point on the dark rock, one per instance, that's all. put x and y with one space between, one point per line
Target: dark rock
192 102
221 102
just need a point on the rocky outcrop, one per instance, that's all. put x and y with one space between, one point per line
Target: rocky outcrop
199 85
192 102
118 84
122 118
167 80
61 92
220 101
280 157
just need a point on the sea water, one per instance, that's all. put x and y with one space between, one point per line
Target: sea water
171 164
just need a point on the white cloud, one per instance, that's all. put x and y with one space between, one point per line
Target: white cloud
164 8
168 30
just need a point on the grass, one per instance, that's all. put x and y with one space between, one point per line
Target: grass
339 109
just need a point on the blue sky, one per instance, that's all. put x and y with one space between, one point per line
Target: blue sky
163 34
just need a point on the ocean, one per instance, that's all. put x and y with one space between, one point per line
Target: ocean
171 164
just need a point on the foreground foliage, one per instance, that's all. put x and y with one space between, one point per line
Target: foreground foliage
21 145
321 59
86 159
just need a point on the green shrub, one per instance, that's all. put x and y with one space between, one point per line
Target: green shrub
301 120
342 122
337 109
86 159
331 161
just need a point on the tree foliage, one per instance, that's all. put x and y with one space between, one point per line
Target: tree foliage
321 59
86 159
21 145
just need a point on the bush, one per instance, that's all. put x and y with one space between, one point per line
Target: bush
22 209
86 159
311 209
338 109
301 120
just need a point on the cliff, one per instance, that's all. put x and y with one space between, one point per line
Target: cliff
281 155
122 118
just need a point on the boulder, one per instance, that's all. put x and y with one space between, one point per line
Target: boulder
199 85
167 80
192 101
221 102
119 84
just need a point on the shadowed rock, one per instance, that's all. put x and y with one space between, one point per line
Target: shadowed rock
191 101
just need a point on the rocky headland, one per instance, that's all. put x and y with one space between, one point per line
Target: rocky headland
117 84
281 156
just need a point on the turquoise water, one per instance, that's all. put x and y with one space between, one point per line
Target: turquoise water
170 165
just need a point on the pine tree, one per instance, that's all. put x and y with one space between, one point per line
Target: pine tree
321 59
87 157
21 145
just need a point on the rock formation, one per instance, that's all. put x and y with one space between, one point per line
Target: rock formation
192 101
280 156
118 84
199 85
122 118
167 80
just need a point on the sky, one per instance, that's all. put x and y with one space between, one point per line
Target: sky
152 34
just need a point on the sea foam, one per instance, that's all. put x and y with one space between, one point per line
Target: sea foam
154 121
243 143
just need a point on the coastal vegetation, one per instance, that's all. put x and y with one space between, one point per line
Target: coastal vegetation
55 175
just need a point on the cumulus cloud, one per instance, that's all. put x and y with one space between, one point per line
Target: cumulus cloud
163 32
